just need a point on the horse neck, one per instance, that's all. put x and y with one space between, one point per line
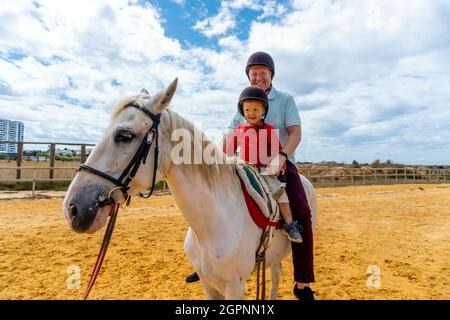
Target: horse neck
205 209
207 194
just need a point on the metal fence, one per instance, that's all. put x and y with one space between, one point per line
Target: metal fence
357 176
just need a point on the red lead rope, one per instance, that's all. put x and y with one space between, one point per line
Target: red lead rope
101 255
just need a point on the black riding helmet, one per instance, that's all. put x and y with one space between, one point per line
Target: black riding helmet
253 93
260 58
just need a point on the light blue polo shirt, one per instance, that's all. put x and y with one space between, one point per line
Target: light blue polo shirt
283 113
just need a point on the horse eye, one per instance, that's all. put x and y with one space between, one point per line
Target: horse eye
123 136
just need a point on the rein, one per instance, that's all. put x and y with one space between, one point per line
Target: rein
101 255
122 183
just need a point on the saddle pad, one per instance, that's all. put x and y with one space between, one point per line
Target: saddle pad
256 214
256 187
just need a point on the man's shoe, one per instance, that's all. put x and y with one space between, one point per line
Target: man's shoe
193 277
305 294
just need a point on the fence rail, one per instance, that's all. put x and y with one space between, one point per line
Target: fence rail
332 176
35 178
326 178
52 148
351 176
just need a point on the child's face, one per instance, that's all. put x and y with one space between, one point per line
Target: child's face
253 111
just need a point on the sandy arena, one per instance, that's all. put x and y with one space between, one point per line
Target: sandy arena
404 230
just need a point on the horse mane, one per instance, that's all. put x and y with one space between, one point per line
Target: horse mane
216 174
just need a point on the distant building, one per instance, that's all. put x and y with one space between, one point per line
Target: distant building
10 131
67 152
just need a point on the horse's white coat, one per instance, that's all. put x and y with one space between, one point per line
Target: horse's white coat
222 239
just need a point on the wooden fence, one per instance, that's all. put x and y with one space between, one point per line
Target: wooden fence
52 157
319 176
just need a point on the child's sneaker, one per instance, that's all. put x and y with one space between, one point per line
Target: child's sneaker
293 232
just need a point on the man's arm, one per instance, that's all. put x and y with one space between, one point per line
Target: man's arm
293 139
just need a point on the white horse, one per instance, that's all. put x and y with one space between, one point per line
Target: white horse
222 239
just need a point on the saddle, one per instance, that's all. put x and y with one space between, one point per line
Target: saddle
260 200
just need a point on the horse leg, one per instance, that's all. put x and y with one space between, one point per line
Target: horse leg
191 247
210 291
235 289
275 276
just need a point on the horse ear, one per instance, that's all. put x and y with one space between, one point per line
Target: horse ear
143 91
162 99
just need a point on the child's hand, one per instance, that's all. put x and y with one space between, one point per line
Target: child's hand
276 165
271 170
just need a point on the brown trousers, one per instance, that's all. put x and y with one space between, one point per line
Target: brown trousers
302 253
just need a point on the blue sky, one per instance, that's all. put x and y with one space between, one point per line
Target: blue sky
371 79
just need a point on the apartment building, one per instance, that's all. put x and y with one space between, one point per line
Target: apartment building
10 131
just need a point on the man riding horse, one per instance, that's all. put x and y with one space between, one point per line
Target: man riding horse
284 116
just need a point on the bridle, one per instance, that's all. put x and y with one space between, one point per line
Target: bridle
122 183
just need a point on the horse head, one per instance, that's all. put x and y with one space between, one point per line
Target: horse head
121 163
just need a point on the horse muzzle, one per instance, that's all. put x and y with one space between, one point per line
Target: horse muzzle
87 211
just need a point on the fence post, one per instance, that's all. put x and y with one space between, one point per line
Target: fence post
19 159
83 153
34 183
52 159
351 173
385 175
364 177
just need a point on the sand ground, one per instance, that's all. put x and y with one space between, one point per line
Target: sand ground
401 230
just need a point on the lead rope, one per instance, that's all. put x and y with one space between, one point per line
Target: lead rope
101 255
261 259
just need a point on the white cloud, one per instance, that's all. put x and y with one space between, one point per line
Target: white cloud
371 75
225 20
271 9
371 79
72 52
217 25
179 2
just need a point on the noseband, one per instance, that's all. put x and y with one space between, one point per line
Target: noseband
139 157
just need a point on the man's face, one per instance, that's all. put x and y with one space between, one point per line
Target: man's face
260 76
